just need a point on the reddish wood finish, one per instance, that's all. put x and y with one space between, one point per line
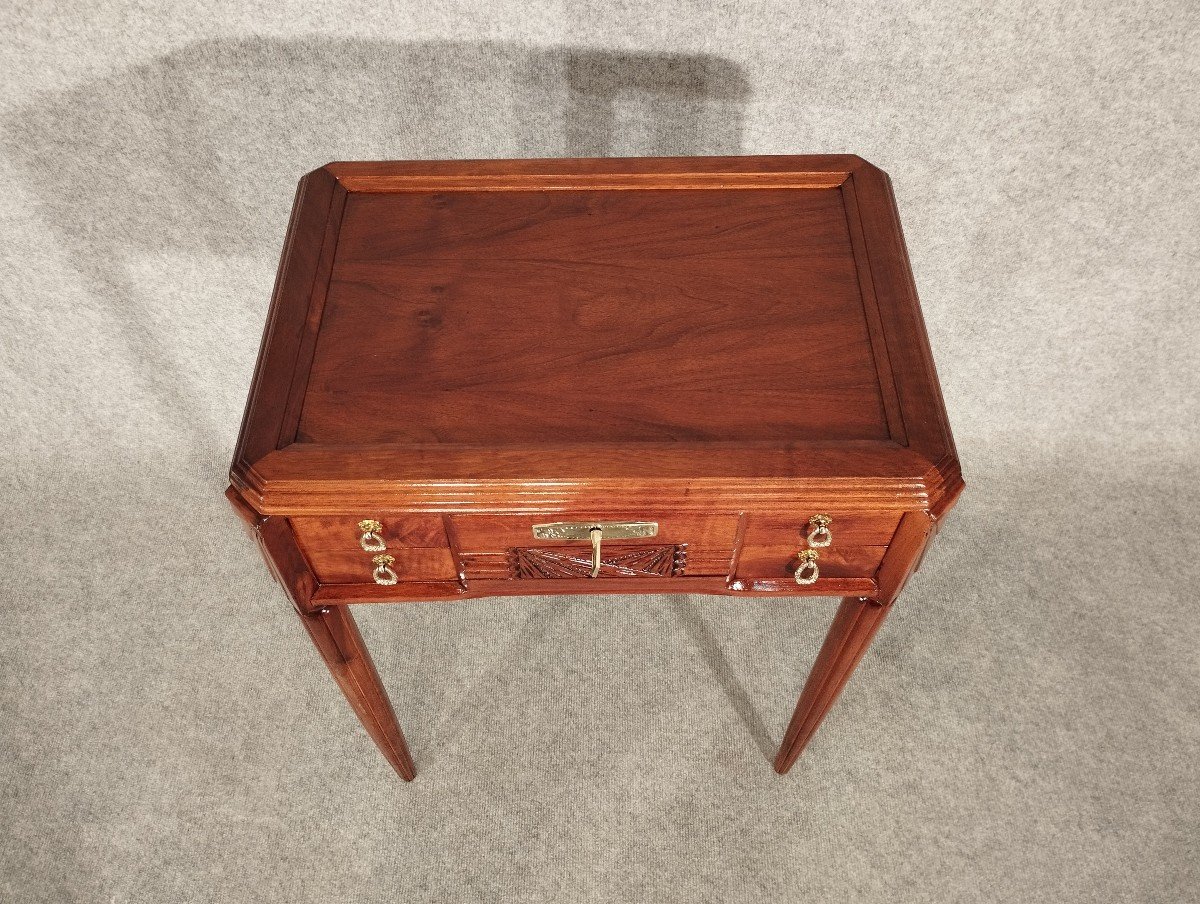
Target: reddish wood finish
855 624
463 349
411 563
424 531
853 627
849 528
618 560
417 544
336 636
710 539
779 561
492 586
639 307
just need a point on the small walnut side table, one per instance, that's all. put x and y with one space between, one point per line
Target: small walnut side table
515 377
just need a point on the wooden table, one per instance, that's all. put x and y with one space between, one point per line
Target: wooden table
695 375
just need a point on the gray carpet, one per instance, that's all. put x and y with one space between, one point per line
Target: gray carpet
1026 726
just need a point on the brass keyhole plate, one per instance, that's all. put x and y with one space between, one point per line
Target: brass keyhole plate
582 530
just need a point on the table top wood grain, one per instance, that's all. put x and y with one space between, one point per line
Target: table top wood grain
673 327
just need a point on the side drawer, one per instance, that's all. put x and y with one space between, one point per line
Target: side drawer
857 542
779 562
416 543
342 531
847 529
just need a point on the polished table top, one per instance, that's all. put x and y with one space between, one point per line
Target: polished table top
634 321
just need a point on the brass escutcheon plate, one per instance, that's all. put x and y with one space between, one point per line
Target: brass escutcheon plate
581 530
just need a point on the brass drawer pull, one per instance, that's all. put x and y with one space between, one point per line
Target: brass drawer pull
596 532
597 535
383 573
807 571
819 535
372 538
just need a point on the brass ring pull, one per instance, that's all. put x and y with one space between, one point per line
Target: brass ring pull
383 573
597 535
807 571
372 538
820 536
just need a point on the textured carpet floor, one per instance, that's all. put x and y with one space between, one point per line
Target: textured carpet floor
1025 728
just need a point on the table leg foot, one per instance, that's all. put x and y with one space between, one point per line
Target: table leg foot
853 627
336 636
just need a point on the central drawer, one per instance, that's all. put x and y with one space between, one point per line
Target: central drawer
503 547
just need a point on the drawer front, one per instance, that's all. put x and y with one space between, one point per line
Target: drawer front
432 548
504 547
343 533
416 543
409 563
853 529
779 562
857 543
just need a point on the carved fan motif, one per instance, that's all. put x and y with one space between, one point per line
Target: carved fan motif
616 562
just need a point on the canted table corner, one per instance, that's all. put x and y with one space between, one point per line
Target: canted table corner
683 375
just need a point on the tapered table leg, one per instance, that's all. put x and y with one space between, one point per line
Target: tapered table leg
855 624
336 635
